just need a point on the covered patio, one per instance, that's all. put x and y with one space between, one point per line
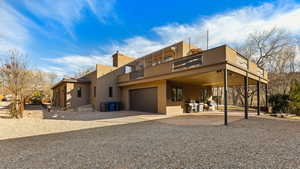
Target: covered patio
213 86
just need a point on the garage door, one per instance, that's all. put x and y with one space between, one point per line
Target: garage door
143 100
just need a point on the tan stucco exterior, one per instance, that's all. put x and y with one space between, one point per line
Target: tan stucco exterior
201 69
119 59
161 97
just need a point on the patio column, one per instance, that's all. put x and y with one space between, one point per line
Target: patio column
225 96
258 98
246 95
218 98
267 106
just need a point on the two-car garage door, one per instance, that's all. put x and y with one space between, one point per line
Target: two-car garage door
144 100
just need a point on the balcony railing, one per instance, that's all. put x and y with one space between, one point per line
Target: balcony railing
188 62
136 74
241 62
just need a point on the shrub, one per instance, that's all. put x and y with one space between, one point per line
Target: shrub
279 103
36 97
294 104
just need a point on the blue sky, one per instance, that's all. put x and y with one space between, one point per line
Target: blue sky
63 36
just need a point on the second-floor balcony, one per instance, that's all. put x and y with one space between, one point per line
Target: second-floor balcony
136 74
217 56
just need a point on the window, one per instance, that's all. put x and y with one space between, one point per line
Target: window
78 91
177 94
110 91
128 69
94 91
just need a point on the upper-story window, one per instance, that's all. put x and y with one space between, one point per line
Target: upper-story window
94 91
128 69
78 91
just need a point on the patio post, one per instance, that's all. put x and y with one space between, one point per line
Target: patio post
258 98
246 95
218 98
225 96
267 106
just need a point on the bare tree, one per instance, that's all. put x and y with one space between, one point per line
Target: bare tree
274 50
16 77
263 46
41 83
83 71
282 70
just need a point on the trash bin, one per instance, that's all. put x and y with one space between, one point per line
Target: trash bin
117 106
111 106
103 106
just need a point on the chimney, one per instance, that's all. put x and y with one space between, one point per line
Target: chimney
119 59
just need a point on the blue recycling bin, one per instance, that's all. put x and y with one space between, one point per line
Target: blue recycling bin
113 106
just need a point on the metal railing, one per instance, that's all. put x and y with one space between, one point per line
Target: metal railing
188 62
136 74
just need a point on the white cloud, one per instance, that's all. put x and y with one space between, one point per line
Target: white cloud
16 29
234 27
135 47
105 11
13 33
226 28
71 64
59 71
69 12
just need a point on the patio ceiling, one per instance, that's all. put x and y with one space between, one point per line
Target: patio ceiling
215 78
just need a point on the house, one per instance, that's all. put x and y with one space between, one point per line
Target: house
162 81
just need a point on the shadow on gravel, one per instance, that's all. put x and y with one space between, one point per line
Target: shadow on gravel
200 120
178 121
92 116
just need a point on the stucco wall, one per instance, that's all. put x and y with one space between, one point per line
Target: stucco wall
103 84
104 69
93 79
161 89
120 59
85 94
62 95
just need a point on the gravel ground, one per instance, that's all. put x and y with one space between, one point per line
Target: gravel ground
69 121
164 143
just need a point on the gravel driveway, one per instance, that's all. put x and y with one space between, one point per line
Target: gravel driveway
164 143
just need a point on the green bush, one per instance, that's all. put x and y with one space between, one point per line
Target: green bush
294 104
36 97
279 103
